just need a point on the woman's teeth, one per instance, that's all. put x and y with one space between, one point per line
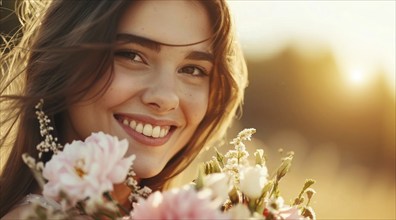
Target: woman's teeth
147 129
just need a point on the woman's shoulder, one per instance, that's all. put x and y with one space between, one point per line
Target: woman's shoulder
26 206
19 212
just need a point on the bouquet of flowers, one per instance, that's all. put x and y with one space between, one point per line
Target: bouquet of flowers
78 181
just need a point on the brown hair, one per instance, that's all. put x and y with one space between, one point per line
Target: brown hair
63 54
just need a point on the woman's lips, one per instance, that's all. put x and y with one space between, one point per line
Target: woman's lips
144 132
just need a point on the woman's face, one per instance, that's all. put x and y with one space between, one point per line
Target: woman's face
159 94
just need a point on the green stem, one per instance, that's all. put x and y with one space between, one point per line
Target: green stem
309 200
123 208
109 197
252 205
81 207
274 188
107 214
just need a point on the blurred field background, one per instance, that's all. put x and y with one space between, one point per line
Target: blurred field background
322 84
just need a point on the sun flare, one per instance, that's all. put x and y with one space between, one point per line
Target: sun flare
357 77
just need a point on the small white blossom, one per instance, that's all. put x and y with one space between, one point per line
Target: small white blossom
239 211
252 180
49 143
246 133
219 183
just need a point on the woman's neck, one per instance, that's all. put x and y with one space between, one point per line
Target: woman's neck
120 194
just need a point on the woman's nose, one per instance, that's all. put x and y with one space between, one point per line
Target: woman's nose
161 94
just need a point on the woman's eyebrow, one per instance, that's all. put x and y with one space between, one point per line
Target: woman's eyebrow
156 46
199 55
142 41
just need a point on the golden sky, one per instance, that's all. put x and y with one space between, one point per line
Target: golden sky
361 34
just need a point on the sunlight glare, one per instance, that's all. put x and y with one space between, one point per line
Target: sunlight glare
356 77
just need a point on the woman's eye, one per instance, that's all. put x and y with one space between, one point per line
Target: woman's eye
194 71
132 56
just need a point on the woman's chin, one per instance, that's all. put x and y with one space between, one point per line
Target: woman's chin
144 172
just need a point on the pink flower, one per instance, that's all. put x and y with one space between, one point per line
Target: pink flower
87 169
290 213
185 203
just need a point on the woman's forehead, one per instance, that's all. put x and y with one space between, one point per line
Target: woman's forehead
167 22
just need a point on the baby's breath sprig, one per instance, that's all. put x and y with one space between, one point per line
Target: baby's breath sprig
49 143
240 151
136 190
239 156
244 135
35 167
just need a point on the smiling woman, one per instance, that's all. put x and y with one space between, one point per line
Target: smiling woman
153 85
169 81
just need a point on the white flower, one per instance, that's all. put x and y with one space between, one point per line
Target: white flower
252 180
239 211
219 183
276 203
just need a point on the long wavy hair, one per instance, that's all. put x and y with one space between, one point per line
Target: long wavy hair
64 48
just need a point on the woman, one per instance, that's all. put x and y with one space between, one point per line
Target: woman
165 75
